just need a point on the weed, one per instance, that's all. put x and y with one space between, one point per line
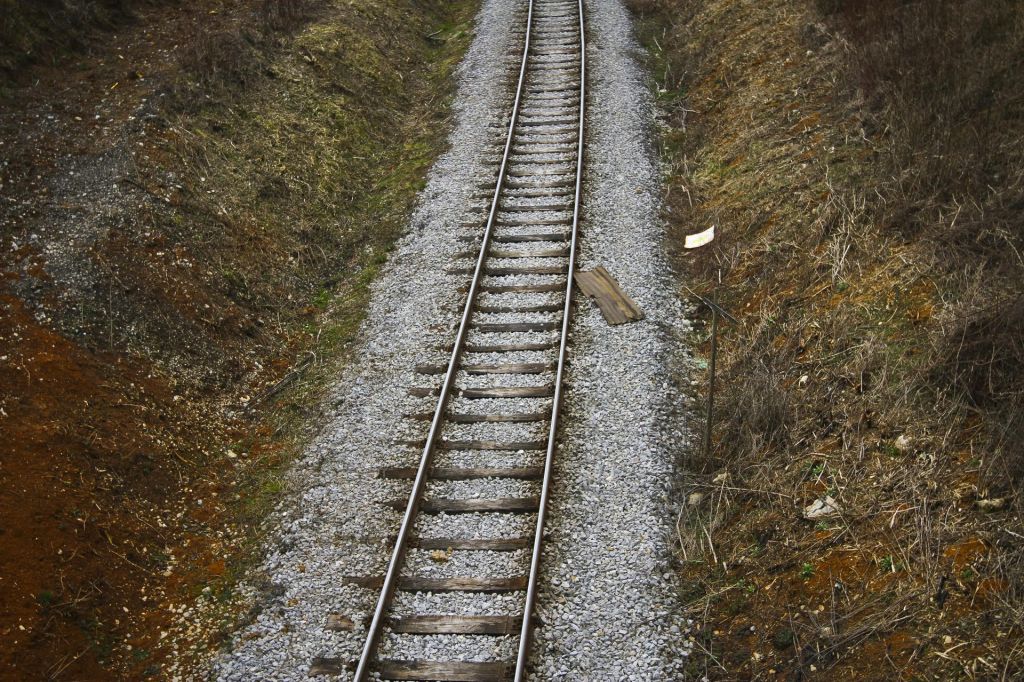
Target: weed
322 299
46 598
807 571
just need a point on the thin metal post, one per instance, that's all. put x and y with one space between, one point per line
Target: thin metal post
709 417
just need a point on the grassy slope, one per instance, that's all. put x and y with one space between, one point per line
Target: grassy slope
866 189
272 180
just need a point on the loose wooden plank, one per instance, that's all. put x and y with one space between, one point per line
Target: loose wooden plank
513 446
463 473
501 505
615 305
445 671
339 623
328 666
505 327
456 625
473 544
545 391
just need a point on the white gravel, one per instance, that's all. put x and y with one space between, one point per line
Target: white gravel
607 597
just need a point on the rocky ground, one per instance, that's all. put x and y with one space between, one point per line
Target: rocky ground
607 598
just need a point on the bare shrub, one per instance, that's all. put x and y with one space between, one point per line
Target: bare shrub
40 30
285 15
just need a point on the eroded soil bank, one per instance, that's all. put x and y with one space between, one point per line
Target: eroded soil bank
192 202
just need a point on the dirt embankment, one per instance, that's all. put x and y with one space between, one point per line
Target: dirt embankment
193 199
861 162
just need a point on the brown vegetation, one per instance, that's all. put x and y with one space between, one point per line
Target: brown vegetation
195 199
862 161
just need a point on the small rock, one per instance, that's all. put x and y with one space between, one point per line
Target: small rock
721 478
695 499
904 444
821 507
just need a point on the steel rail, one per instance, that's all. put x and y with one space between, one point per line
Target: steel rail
367 657
545 491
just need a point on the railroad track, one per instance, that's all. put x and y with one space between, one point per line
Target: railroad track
487 456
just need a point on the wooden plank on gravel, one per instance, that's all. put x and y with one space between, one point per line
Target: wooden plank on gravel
510 392
513 446
471 505
445 671
473 544
327 666
615 305
456 625
463 473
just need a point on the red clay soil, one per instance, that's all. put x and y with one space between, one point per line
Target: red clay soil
90 459
109 478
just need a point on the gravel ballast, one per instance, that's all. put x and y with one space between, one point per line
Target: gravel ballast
607 599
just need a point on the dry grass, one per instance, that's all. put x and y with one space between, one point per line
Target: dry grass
33 31
271 168
867 192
